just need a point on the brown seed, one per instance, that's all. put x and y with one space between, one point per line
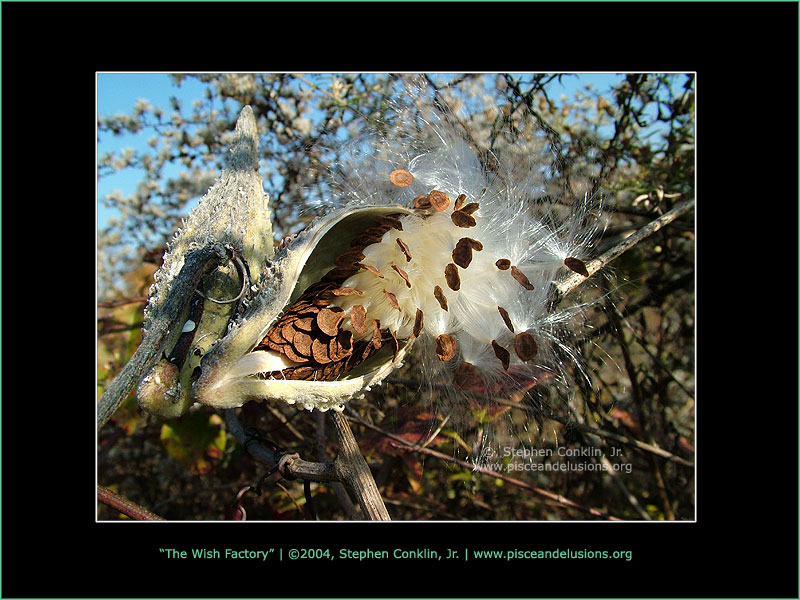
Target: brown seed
266 344
462 254
525 346
368 350
504 313
319 350
340 346
577 265
402 274
391 222
276 347
323 299
404 248
305 306
439 200
346 291
392 299
327 372
345 340
401 177
274 334
288 331
460 201
317 305
358 355
349 257
304 324
503 264
371 269
476 245
417 324
303 309
302 343
470 208
376 334
422 201
440 297
328 320
502 354
358 317
465 376
395 344
293 356
378 231
520 276
311 291
445 347
300 372
452 278
339 274
339 367
364 240
263 344
462 219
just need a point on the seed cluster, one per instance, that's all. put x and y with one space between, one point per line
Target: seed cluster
335 325
310 332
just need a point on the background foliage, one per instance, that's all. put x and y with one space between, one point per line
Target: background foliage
635 142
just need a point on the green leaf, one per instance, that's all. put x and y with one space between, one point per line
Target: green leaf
196 441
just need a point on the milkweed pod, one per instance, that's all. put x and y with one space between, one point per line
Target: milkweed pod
245 365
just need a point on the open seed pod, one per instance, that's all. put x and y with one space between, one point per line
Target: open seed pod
312 339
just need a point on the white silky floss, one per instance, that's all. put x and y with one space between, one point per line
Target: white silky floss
513 240
466 270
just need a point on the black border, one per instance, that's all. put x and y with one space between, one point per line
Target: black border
745 541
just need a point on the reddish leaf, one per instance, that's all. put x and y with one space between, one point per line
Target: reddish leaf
627 419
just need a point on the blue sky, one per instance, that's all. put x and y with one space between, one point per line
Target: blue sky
118 92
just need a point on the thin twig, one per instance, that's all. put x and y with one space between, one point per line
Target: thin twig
288 493
285 422
292 466
349 468
116 303
125 506
575 279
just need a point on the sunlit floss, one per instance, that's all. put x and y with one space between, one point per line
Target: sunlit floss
426 244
